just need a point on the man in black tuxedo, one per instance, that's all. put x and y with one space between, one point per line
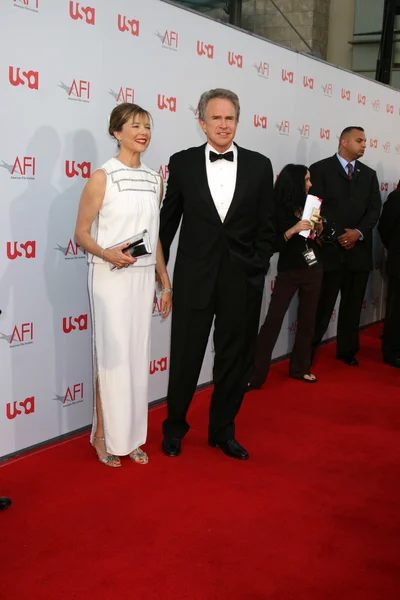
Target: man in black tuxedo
351 206
223 194
389 229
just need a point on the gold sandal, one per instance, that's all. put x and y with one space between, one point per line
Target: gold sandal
139 457
110 460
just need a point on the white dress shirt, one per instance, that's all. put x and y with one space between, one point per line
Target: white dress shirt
221 176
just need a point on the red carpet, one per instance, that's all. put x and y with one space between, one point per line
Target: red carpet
313 515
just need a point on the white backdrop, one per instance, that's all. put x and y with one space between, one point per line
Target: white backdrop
63 67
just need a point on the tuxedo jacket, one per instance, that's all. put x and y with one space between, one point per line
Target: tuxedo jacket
389 230
352 204
246 234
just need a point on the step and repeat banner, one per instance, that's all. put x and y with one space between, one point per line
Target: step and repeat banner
64 65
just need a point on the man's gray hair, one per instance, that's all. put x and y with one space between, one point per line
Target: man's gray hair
217 93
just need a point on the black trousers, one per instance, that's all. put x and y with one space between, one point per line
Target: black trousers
236 306
308 283
352 286
391 330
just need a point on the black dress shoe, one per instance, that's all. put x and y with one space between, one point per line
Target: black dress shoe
231 448
4 503
171 446
250 387
393 362
350 361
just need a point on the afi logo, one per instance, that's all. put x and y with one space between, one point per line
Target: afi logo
157 310
76 11
81 322
21 335
346 95
386 147
28 249
25 407
158 365
293 327
205 49
373 143
390 109
18 77
79 90
262 69
32 5
376 105
22 168
235 59
169 39
73 395
333 316
328 89
325 134
194 110
71 250
166 103
308 82
287 76
304 131
384 186
362 99
123 95
163 172
260 121
272 284
131 25
284 127
81 170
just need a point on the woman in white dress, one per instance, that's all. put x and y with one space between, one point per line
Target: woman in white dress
120 200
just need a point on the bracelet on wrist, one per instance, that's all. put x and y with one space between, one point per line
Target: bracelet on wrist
166 290
102 254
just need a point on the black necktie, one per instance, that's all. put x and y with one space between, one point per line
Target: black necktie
350 171
227 156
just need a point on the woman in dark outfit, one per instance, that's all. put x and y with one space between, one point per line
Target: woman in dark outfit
298 270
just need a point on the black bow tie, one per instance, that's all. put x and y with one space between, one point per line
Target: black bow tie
227 156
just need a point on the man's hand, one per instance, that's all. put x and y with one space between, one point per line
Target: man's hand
349 239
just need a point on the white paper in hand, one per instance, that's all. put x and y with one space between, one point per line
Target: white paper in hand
313 204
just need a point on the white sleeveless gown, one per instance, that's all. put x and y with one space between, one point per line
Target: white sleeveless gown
121 306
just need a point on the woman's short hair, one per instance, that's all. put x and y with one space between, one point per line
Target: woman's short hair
121 115
290 188
217 93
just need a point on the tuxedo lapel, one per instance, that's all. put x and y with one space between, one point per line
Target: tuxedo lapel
242 175
199 173
357 171
339 168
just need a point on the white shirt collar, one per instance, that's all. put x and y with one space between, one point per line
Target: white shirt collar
344 162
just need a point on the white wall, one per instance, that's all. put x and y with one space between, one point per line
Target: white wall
72 71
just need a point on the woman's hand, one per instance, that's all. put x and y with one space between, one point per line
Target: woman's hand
118 257
303 225
166 304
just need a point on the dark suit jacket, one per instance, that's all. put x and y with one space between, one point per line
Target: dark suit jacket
389 229
354 204
246 233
